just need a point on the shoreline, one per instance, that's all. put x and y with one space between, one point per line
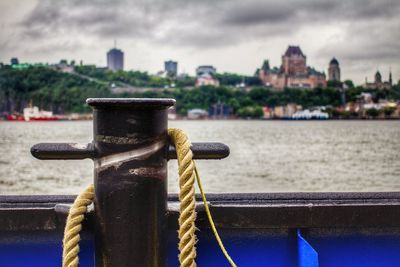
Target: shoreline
226 119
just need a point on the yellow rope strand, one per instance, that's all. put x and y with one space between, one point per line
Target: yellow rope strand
210 219
187 216
74 226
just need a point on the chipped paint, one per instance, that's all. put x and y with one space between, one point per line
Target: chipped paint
131 121
130 140
149 172
79 146
140 153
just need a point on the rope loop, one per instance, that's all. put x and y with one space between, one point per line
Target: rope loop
188 174
74 226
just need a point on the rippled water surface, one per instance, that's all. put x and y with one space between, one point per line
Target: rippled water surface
266 156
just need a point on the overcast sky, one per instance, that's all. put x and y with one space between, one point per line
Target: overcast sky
233 35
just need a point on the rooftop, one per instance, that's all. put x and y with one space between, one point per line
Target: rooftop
334 62
293 50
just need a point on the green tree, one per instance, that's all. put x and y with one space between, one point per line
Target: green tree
250 112
388 111
373 112
349 83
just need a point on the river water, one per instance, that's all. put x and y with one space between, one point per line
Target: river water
266 156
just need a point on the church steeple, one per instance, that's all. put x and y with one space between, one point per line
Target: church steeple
390 77
265 66
378 77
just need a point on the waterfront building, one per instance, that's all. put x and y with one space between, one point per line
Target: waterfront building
378 82
115 59
171 68
206 69
206 79
220 111
334 71
268 112
195 114
14 61
293 72
287 111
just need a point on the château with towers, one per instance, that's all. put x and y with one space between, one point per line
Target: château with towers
295 73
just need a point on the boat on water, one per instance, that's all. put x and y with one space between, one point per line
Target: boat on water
32 113
134 220
310 115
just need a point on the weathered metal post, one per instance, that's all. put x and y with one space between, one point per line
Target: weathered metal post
130 150
131 144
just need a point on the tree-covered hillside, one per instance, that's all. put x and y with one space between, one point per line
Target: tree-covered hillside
46 88
65 93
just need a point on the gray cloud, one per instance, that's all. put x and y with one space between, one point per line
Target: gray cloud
369 29
365 41
195 23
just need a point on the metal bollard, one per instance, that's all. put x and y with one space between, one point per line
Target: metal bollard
130 151
130 180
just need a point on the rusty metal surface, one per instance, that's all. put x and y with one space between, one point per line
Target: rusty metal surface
51 151
204 151
130 149
130 180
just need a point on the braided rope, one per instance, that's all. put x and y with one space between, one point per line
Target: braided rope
74 226
187 237
187 216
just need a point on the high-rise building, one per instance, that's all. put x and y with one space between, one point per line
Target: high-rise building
115 59
334 70
14 61
171 68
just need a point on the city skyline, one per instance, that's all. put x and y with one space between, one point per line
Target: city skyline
363 36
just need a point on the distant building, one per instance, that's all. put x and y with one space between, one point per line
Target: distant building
286 111
206 76
378 83
195 114
171 68
115 59
63 66
220 111
28 65
14 61
162 74
268 112
293 72
206 69
334 71
206 80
